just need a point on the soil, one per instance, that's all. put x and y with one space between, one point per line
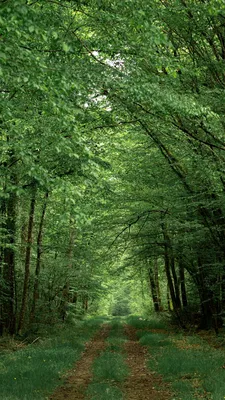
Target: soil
141 383
80 377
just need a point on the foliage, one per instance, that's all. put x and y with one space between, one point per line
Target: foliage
112 154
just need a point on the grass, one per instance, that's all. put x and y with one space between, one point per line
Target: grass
185 390
116 337
116 328
179 363
115 344
150 323
215 384
154 339
110 367
35 370
104 391
193 368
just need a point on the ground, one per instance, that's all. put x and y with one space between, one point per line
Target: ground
141 383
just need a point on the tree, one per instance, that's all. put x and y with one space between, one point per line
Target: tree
114 110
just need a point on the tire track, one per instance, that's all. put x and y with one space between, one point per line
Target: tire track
141 384
80 377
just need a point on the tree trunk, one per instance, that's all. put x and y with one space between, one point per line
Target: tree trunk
169 302
175 279
3 216
9 265
167 266
182 285
206 299
27 261
85 302
156 273
153 289
169 279
8 250
170 267
38 260
66 289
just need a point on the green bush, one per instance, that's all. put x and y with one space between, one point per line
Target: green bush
121 308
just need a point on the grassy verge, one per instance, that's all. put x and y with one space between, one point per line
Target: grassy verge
34 371
194 368
194 364
147 324
109 369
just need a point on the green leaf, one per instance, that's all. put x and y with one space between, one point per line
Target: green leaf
31 29
66 47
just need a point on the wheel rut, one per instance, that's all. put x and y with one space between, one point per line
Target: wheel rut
141 384
80 377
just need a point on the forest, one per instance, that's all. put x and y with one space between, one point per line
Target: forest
112 188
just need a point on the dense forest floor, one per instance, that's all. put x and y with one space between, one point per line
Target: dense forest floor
115 359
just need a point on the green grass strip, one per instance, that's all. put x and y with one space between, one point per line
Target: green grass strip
116 338
104 391
109 369
110 366
115 344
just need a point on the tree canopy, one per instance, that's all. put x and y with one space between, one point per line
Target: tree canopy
112 159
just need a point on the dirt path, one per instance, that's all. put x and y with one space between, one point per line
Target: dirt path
141 384
80 377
